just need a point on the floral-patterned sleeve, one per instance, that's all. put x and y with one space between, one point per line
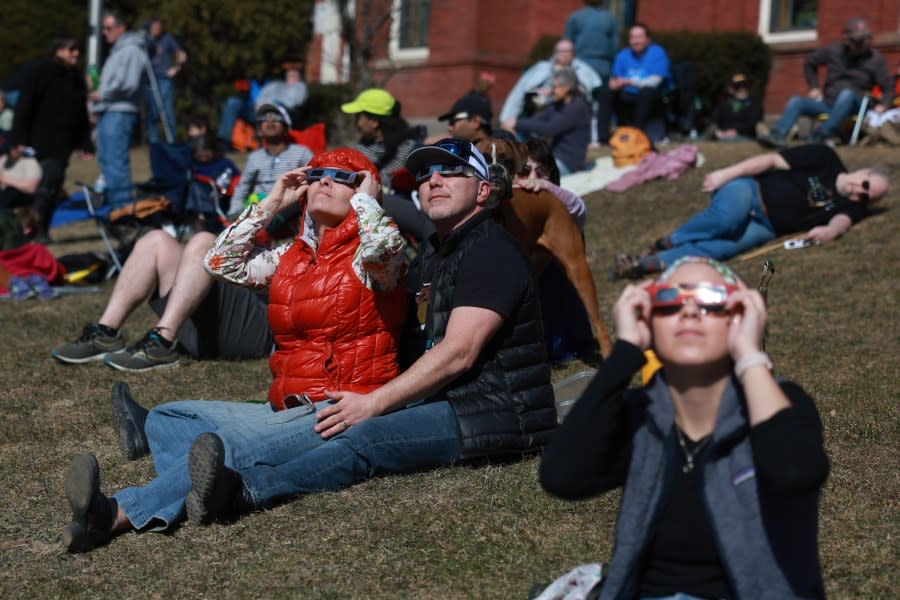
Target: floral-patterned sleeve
380 261
236 258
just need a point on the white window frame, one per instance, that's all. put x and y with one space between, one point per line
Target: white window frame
780 37
396 53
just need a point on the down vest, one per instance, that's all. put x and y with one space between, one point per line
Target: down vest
331 331
504 403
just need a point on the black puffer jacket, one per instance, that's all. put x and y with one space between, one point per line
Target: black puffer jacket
504 403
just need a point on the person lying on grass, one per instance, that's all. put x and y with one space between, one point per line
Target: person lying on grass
482 387
801 189
721 464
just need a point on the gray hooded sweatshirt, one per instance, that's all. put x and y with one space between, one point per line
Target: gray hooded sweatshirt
121 80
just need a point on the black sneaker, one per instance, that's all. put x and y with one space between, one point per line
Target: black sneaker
774 140
215 489
92 513
151 352
94 344
128 418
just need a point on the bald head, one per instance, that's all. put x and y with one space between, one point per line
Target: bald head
564 53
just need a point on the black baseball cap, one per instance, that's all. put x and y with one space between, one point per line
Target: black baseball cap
468 106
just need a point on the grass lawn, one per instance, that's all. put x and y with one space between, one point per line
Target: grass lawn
464 532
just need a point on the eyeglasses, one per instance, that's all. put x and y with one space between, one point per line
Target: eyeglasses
337 175
527 169
666 299
270 116
445 171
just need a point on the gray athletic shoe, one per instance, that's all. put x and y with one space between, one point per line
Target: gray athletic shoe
93 344
151 352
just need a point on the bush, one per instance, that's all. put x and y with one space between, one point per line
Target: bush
716 57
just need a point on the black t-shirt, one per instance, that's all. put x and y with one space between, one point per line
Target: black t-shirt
494 275
682 556
804 196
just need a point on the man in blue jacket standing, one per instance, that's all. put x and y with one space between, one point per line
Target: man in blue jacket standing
593 31
117 102
638 74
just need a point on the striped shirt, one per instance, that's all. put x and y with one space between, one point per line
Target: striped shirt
375 153
263 170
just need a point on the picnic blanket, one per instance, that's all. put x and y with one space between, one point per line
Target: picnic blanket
605 173
654 166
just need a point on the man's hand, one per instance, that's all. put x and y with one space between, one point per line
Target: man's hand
509 125
815 94
349 409
714 180
820 234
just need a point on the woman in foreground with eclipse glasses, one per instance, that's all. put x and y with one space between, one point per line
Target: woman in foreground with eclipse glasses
336 302
721 463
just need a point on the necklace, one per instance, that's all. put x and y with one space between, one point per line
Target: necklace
689 454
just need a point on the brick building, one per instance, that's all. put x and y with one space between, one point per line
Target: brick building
436 49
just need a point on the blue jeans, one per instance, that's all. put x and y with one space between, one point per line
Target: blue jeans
279 455
114 131
233 109
734 222
167 96
846 103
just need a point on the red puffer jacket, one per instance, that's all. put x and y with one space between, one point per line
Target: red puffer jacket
331 332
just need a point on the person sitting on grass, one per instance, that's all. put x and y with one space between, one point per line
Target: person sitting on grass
721 463
806 188
480 386
197 315
736 117
566 122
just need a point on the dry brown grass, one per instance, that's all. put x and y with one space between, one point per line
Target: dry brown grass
487 532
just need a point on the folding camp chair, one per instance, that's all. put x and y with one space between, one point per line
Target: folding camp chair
93 203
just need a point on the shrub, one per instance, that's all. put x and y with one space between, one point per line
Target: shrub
716 57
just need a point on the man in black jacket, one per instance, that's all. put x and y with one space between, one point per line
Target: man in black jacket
51 117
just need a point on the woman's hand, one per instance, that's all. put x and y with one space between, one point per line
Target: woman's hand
632 315
748 322
368 185
290 189
714 180
532 185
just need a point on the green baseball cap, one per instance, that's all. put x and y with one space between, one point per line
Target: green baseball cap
375 101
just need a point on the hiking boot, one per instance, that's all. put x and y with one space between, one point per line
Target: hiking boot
215 489
94 344
128 419
775 140
92 513
153 351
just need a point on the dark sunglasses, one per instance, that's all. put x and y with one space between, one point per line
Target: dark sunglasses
458 147
445 171
527 169
864 196
337 175
666 300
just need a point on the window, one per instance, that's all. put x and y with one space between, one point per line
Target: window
409 29
788 20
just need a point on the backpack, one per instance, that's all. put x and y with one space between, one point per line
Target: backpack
629 146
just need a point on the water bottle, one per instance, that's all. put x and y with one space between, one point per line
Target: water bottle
223 181
100 184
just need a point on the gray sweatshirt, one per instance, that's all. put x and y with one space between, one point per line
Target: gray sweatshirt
121 80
